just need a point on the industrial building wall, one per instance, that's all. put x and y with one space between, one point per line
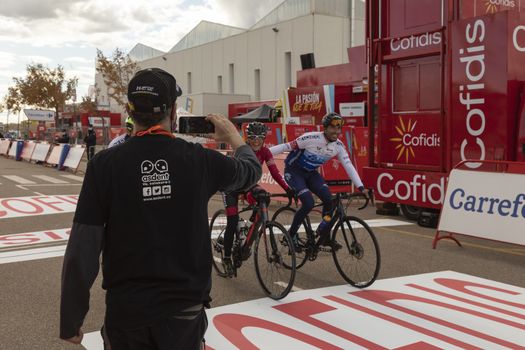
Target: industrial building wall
268 56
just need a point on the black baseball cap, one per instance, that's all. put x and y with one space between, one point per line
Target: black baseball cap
152 90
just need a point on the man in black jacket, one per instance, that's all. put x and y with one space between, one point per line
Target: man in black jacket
144 206
91 141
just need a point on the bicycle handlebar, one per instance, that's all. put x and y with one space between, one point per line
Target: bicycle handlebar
368 199
285 195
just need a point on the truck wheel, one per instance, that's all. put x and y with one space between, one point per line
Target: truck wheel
410 212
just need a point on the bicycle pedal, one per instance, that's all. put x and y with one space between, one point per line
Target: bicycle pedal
325 249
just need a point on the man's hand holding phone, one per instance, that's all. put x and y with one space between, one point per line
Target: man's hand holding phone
225 131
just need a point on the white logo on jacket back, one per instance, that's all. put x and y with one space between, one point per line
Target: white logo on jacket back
155 180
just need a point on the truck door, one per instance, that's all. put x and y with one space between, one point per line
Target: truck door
411 79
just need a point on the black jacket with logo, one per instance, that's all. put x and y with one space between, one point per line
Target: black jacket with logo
144 205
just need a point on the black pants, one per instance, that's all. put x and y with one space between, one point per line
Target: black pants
91 152
173 333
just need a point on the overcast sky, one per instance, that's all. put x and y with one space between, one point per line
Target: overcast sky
68 32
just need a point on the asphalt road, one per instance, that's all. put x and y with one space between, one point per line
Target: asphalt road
30 290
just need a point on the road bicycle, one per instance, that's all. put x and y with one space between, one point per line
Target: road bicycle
358 260
273 253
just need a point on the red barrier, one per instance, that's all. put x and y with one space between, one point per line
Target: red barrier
293 131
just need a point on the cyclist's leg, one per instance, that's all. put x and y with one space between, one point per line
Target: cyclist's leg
320 188
296 180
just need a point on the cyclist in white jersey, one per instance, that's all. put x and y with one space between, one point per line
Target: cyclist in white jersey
124 137
307 153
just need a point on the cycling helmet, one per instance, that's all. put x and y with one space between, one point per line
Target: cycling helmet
256 129
129 124
332 119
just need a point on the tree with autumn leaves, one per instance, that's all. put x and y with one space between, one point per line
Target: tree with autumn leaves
116 72
42 87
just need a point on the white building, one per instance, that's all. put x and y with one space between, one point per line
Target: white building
217 64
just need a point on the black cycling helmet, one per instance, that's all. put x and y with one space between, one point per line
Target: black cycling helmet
332 119
256 129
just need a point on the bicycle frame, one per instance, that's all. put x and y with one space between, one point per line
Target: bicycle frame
259 223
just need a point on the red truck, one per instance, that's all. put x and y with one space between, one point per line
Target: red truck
443 81
449 85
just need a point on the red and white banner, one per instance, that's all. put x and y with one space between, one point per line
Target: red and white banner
37 205
443 310
32 238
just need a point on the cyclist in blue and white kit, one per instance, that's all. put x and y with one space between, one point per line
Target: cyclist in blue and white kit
307 153
124 137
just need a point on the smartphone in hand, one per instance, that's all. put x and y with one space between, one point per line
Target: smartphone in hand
195 125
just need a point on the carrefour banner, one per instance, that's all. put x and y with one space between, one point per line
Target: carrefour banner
486 205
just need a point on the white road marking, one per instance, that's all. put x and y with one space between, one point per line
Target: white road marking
73 177
39 194
46 185
51 179
19 179
371 223
32 254
282 284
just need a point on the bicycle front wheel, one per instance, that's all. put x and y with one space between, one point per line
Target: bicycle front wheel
217 229
285 216
274 259
359 260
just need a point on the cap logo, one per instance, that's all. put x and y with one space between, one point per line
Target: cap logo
144 88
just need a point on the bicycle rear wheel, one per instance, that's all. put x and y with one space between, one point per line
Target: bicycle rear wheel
217 229
285 216
359 260
274 260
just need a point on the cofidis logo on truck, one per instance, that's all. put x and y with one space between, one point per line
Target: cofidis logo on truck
409 138
493 6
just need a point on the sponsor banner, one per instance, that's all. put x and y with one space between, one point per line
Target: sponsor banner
268 183
37 205
293 131
483 124
423 189
412 139
99 122
413 45
32 238
40 115
352 109
4 146
486 205
74 156
40 152
54 157
27 151
476 8
307 102
443 310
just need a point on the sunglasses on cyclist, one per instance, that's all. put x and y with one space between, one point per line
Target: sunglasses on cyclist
252 138
337 122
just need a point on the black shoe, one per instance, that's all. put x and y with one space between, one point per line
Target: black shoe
298 247
228 266
331 243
